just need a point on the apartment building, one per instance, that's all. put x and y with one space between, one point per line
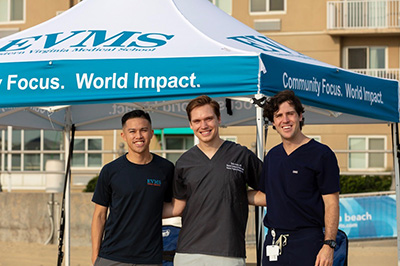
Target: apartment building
359 35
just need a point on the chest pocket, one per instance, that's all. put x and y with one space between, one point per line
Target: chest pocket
234 183
300 181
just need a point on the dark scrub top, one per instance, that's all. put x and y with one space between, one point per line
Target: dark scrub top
214 220
294 185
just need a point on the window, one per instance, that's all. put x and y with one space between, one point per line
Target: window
225 5
33 147
367 60
15 146
52 141
178 142
12 10
366 57
370 160
267 6
32 142
87 152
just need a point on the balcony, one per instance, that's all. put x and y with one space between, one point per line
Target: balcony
387 73
364 16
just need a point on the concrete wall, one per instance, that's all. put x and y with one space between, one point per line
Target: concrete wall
25 217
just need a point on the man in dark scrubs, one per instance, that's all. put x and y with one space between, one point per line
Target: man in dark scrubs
210 191
301 181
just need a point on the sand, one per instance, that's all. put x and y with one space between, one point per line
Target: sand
361 253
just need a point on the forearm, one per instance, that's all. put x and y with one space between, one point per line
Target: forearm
168 210
97 235
173 208
331 217
97 230
256 198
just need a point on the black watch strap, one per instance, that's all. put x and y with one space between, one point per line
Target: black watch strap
330 243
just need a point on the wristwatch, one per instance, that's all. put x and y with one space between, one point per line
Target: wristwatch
330 243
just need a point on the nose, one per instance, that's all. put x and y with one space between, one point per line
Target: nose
138 134
285 118
203 124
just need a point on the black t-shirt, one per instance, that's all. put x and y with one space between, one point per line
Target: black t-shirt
294 185
135 195
214 220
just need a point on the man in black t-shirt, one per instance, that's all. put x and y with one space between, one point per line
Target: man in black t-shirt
132 189
210 192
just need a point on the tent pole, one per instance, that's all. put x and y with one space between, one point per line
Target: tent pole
9 158
67 204
67 193
396 162
260 155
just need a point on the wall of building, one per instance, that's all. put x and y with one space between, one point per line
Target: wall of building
25 217
38 11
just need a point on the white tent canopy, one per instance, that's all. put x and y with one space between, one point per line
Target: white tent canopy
129 51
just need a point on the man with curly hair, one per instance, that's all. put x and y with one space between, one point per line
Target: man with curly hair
300 180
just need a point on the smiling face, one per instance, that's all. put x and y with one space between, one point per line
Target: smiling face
287 122
205 124
137 133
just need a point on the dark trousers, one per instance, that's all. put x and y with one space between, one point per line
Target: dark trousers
301 249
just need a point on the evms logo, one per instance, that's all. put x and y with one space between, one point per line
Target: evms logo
89 38
153 182
265 44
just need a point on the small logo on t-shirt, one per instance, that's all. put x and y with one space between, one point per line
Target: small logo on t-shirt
295 172
153 182
235 167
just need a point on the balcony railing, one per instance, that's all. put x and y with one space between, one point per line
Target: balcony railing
387 73
363 14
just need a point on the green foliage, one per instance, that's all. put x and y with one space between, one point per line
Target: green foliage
359 184
91 185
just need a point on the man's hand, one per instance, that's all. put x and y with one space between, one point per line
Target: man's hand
173 208
256 198
325 256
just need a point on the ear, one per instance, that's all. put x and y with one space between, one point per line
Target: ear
123 135
273 124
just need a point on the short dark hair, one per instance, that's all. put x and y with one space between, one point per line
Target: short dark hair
273 103
135 114
201 101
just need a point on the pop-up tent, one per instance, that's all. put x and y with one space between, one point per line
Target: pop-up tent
102 58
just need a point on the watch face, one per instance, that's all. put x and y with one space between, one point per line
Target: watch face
330 243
